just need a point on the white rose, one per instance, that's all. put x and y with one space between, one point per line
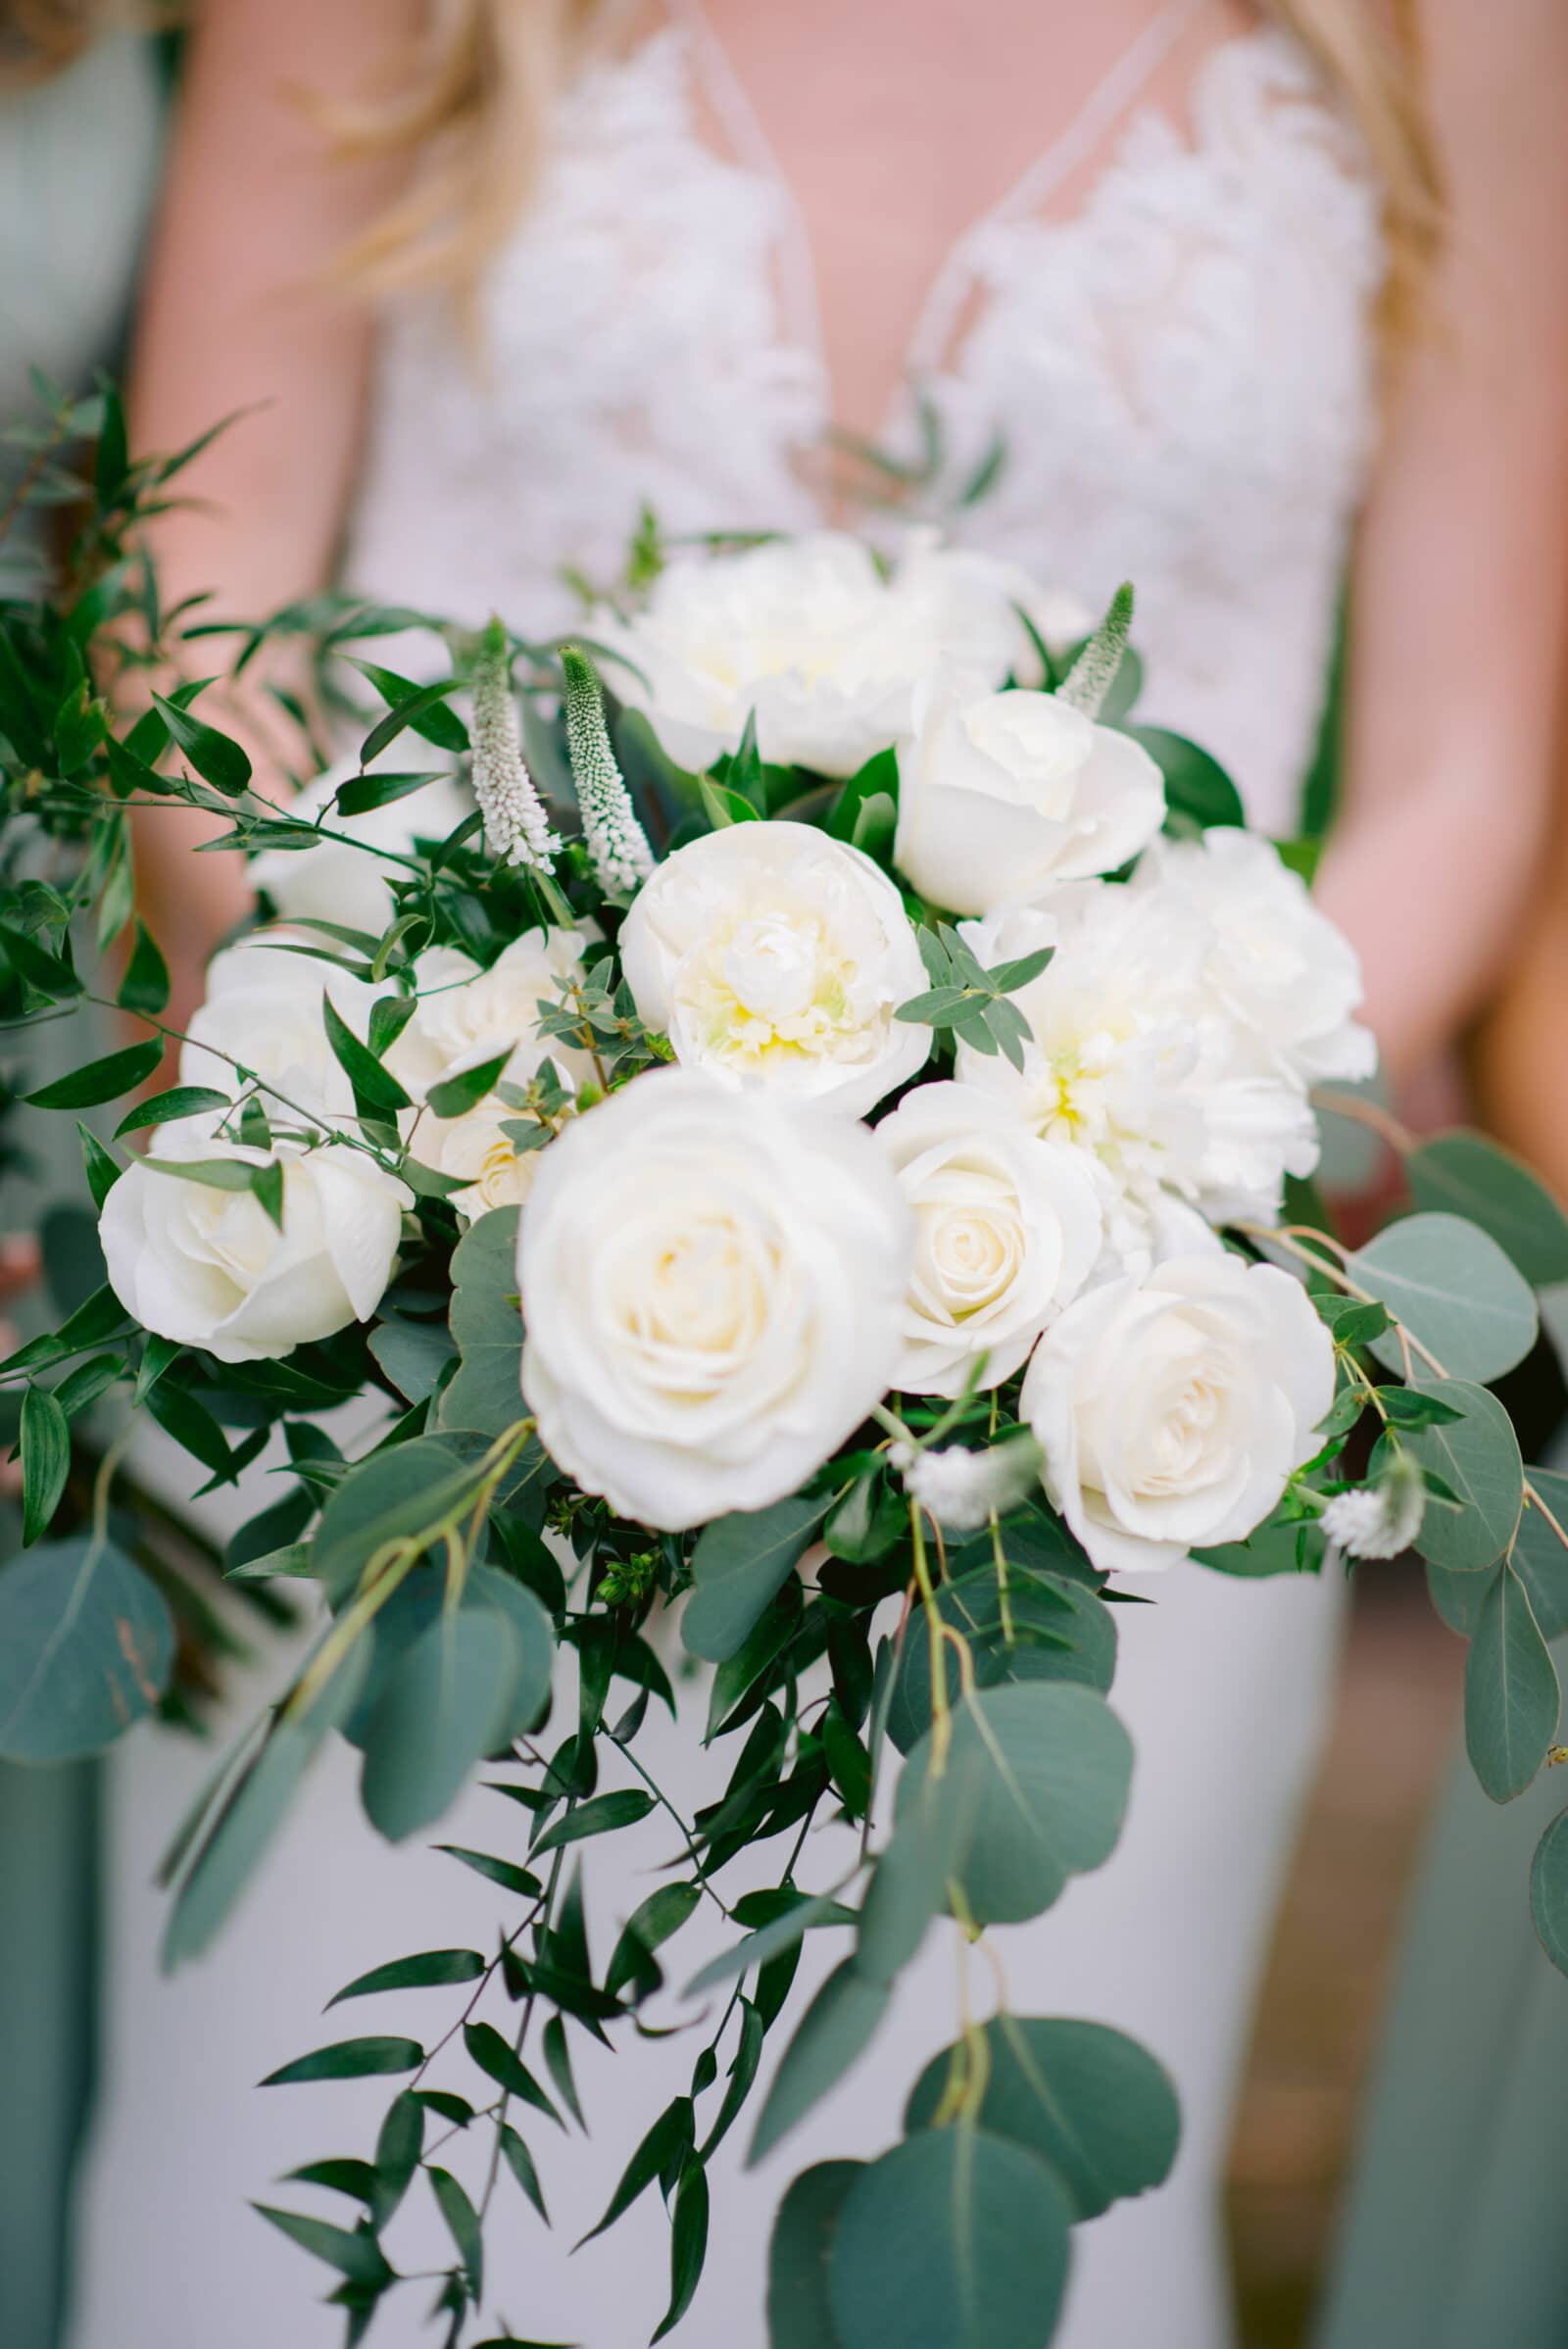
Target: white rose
264 1009
210 1267
466 1013
1133 1058
1281 969
1172 1409
811 635
1008 1230
1001 795
771 952
474 1148
712 1286
339 882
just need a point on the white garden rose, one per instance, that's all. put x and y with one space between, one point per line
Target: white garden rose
475 1148
1008 1230
208 1267
338 880
712 1286
467 1014
811 635
1003 794
1133 1056
264 1009
1172 1409
1281 969
770 951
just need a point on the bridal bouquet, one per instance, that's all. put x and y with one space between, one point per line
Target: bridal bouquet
818 1146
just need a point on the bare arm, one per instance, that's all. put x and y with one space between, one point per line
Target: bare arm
1460 607
235 312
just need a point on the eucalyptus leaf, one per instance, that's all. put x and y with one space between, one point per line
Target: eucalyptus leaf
1031 1792
801 2244
1548 1892
1512 1697
444 1708
86 1648
1478 1457
833 2033
1455 1292
1089 2100
1036 1630
956 2239
1468 1175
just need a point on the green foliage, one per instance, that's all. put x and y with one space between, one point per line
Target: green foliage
1511 1691
1477 1458
1197 790
1467 1175
86 1648
1548 1892
833 2033
956 2239
1086 2098
799 2315
738 1565
970 999
1035 1628
486 1325
1453 1291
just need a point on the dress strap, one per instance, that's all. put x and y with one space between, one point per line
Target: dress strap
1107 102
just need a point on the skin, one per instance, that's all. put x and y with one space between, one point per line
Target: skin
1460 581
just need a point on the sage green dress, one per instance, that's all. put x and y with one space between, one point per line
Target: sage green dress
1456 2231
79 161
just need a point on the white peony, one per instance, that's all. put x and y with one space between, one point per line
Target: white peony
466 1013
1008 1230
811 634
264 1009
1135 1059
1003 795
210 1267
712 1288
1172 1409
338 881
485 1160
1280 968
771 952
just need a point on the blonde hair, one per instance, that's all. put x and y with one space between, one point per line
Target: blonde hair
39 39
475 101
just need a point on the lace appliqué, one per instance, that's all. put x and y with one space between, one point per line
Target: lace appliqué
1180 375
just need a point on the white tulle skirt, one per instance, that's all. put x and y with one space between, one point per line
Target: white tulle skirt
1225 1687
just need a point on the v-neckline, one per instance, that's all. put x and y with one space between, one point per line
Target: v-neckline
1114 96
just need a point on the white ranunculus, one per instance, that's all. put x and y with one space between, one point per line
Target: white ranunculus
811 634
1008 1230
1171 1410
264 1009
1133 1058
486 1160
339 882
770 951
466 1013
1003 794
210 1267
1282 970
711 1285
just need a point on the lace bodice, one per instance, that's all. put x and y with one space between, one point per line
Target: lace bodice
1179 376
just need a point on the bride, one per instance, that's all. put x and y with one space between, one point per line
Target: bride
1185 268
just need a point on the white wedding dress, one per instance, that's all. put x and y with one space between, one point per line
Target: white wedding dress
1181 374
